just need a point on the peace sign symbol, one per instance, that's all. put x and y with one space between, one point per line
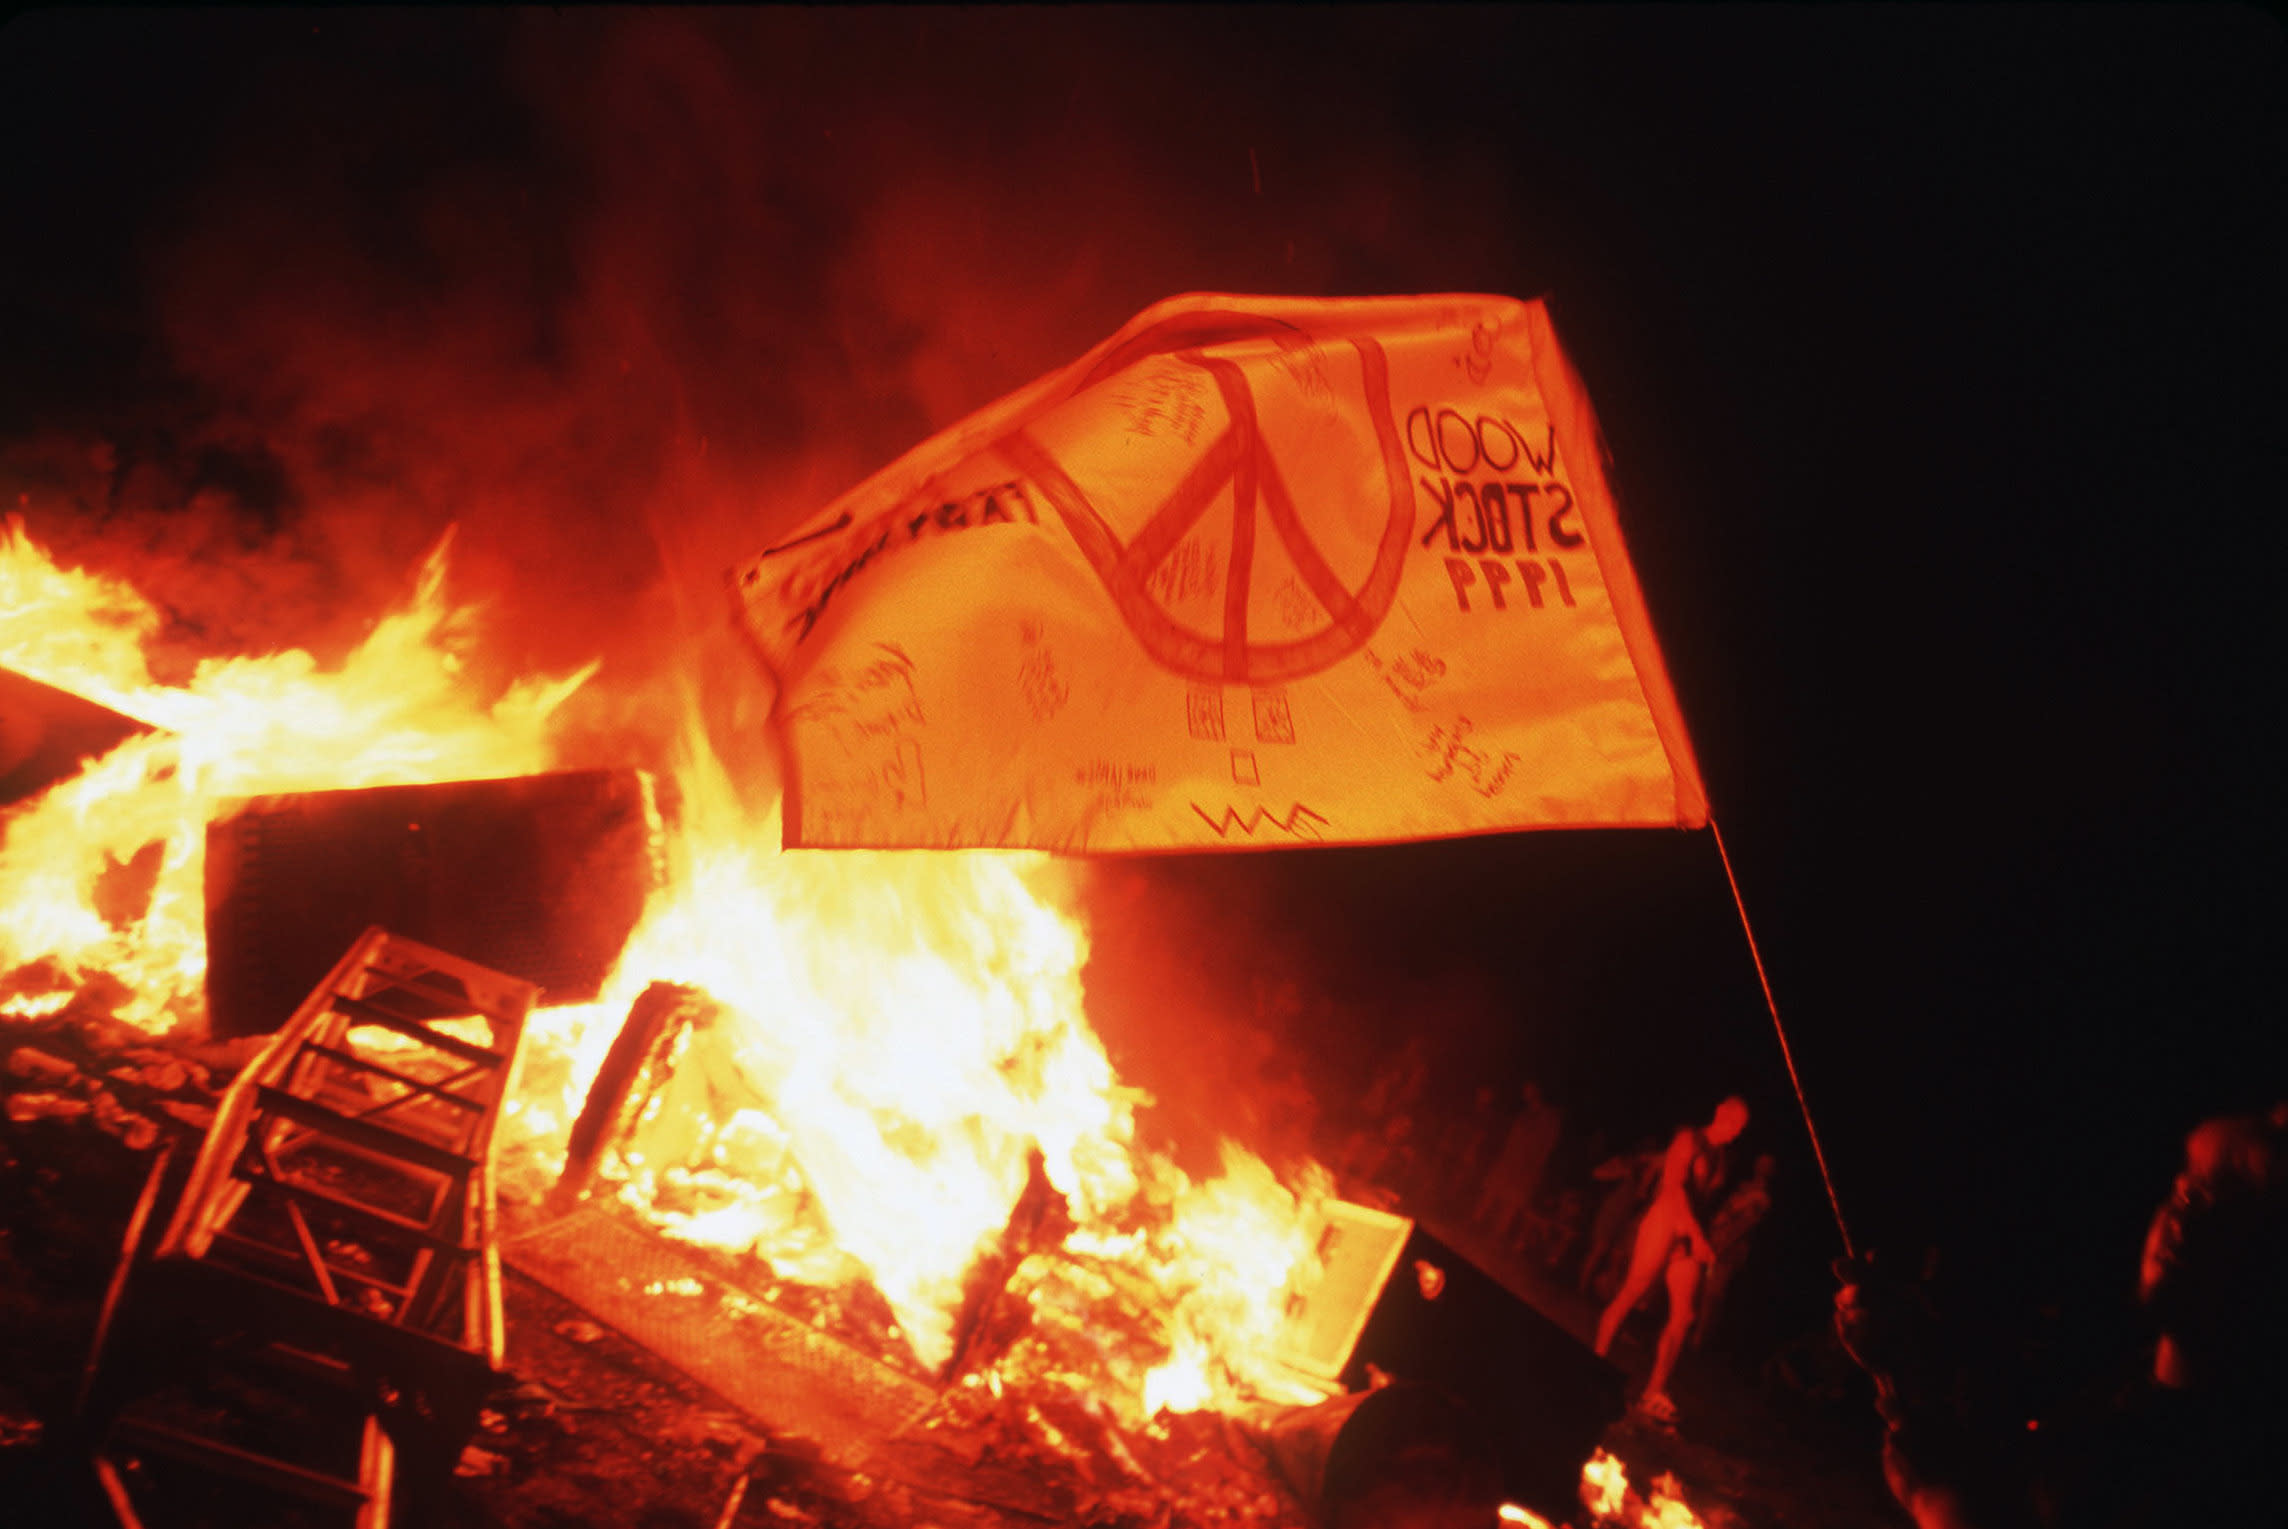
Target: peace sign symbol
1241 458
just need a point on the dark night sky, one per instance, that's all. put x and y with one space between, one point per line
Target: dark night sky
1938 351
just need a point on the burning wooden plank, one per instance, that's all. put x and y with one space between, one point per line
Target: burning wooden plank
628 1080
47 735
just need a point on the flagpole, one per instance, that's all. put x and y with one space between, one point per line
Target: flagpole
1787 1052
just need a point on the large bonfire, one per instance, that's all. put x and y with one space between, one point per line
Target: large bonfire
899 1032
898 1043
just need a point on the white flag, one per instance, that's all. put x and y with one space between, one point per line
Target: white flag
1255 572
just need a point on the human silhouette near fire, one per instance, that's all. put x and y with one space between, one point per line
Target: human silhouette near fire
1730 1233
2196 1440
1629 1178
1672 1243
1506 1200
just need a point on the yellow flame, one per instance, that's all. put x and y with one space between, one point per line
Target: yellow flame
1604 1485
1605 1493
1667 1508
398 711
897 1032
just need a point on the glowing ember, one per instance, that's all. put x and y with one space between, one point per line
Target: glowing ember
1605 1492
1604 1485
1667 1509
36 1005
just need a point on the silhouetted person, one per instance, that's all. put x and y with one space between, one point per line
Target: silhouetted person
1385 1158
1398 1082
1453 1146
2208 1273
1630 1178
1553 1231
1672 1244
1735 1220
2197 1441
1467 1136
1515 1175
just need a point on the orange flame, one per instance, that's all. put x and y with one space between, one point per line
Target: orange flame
899 1031
398 711
1606 1493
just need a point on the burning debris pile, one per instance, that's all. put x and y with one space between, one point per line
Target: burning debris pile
849 1106
133 1094
103 873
